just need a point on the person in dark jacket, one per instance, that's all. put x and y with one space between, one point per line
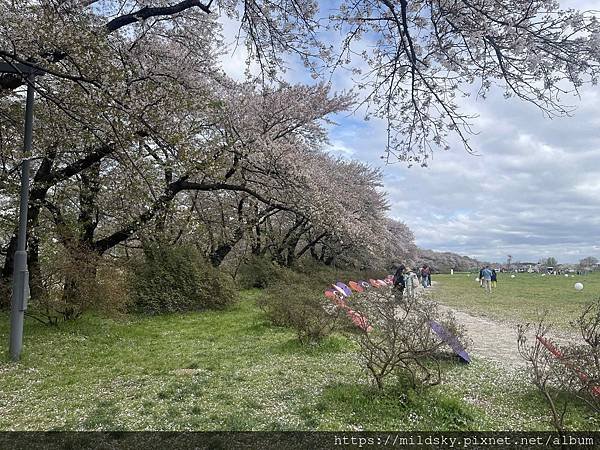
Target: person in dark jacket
399 281
494 278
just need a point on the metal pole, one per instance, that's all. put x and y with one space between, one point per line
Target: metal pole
20 292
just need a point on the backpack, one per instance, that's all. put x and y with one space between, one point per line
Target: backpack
415 282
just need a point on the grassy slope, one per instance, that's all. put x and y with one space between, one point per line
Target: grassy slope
243 375
521 298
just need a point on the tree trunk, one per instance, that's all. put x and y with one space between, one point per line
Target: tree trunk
218 255
80 278
88 203
37 195
291 251
6 274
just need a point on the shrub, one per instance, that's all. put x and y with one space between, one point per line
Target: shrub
567 373
69 285
75 281
317 272
113 287
401 341
298 306
258 272
173 279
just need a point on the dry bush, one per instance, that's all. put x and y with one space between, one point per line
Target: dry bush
69 286
303 309
569 372
114 296
401 341
77 281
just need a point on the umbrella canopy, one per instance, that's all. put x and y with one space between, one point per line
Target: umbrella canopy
336 297
451 340
373 282
355 286
364 284
345 288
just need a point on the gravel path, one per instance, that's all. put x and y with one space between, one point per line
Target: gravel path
491 340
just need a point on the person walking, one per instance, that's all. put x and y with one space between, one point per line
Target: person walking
428 275
481 277
424 276
494 278
487 279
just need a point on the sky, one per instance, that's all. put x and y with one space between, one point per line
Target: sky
533 190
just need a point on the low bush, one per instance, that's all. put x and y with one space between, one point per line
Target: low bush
317 273
569 374
173 279
401 342
258 272
303 309
77 281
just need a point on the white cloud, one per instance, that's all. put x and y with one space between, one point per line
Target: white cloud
339 148
534 192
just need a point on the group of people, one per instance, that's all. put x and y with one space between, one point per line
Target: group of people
407 279
488 278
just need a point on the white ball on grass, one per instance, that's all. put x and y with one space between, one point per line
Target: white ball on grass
578 286
477 279
512 276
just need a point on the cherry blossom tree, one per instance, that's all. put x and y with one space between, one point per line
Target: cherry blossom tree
414 60
137 126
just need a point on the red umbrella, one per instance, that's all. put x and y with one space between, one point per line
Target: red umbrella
558 354
355 286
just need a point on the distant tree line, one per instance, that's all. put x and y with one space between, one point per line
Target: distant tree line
445 261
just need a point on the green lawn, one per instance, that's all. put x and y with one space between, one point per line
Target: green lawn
520 299
230 370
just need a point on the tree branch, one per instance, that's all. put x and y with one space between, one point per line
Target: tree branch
147 12
81 164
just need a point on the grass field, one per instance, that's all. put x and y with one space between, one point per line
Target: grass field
231 370
522 298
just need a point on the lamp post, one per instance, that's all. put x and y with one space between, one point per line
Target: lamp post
20 292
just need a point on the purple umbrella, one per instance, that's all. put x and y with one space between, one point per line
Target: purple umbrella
345 288
451 340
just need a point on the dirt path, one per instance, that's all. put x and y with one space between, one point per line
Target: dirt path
491 340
